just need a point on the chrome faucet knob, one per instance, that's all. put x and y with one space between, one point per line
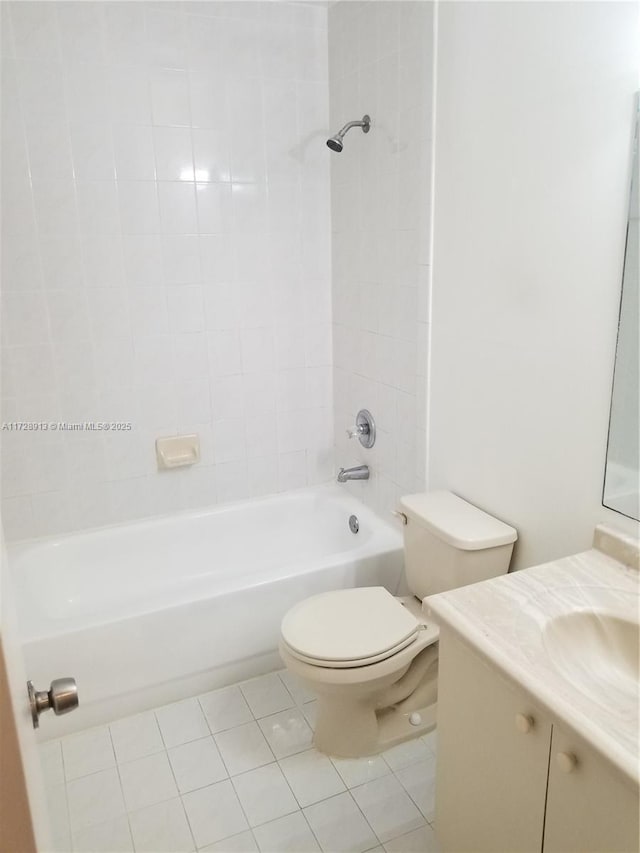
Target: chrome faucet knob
358 430
364 429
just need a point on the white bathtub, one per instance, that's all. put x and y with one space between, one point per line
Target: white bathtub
153 611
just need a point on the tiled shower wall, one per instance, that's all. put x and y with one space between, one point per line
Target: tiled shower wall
380 63
166 254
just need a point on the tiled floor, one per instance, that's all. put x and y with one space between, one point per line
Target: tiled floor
234 771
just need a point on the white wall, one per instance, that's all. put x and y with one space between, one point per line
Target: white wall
380 63
534 113
166 254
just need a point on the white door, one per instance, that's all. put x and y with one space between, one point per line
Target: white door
23 806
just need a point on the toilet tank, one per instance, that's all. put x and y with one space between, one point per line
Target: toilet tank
450 543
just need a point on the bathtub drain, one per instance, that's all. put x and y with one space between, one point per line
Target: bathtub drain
354 524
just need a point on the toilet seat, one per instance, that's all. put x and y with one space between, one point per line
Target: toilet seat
348 628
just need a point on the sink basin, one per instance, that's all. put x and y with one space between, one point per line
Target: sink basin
598 652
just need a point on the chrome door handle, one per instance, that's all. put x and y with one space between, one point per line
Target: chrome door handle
61 697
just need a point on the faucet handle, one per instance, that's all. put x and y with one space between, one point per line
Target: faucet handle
364 429
358 430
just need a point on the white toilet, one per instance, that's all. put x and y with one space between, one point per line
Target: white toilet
371 658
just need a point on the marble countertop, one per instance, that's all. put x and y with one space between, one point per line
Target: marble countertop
503 620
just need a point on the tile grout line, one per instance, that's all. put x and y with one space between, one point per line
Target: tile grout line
115 757
66 793
166 750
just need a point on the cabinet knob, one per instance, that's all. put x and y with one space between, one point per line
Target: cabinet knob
566 761
524 723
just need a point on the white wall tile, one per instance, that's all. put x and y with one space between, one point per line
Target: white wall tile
134 156
170 98
49 145
126 42
129 95
166 39
103 260
211 150
137 143
82 32
35 33
174 153
139 210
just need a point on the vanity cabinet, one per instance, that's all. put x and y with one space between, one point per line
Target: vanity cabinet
509 780
590 809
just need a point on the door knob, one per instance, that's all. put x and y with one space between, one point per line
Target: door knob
61 697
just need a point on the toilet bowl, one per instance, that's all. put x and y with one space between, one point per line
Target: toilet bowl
370 657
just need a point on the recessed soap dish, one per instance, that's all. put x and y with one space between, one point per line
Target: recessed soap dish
177 451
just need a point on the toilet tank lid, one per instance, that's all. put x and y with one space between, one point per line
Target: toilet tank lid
457 522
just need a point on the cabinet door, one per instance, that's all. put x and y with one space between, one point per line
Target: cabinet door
590 808
491 774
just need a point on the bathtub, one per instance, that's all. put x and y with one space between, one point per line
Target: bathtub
150 612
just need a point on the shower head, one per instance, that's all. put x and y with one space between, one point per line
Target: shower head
335 142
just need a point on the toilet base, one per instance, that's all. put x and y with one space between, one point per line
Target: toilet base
392 726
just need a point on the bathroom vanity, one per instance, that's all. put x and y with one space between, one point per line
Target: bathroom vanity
538 708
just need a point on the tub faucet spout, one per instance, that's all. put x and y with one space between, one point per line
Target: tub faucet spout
360 472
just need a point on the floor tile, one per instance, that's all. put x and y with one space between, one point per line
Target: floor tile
357 771
421 840
388 807
147 781
214 813
172 778
431 740
137 736
419 781
244 842
162 828
407 753
339 826
311 776
58 814
94 799
225 709
197 764
51 762
113 836
243 748
287 732
299 693
309 711
264 794
182 722
290 834
266 695
87 752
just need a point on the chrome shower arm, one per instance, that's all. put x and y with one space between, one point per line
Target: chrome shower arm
364 123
